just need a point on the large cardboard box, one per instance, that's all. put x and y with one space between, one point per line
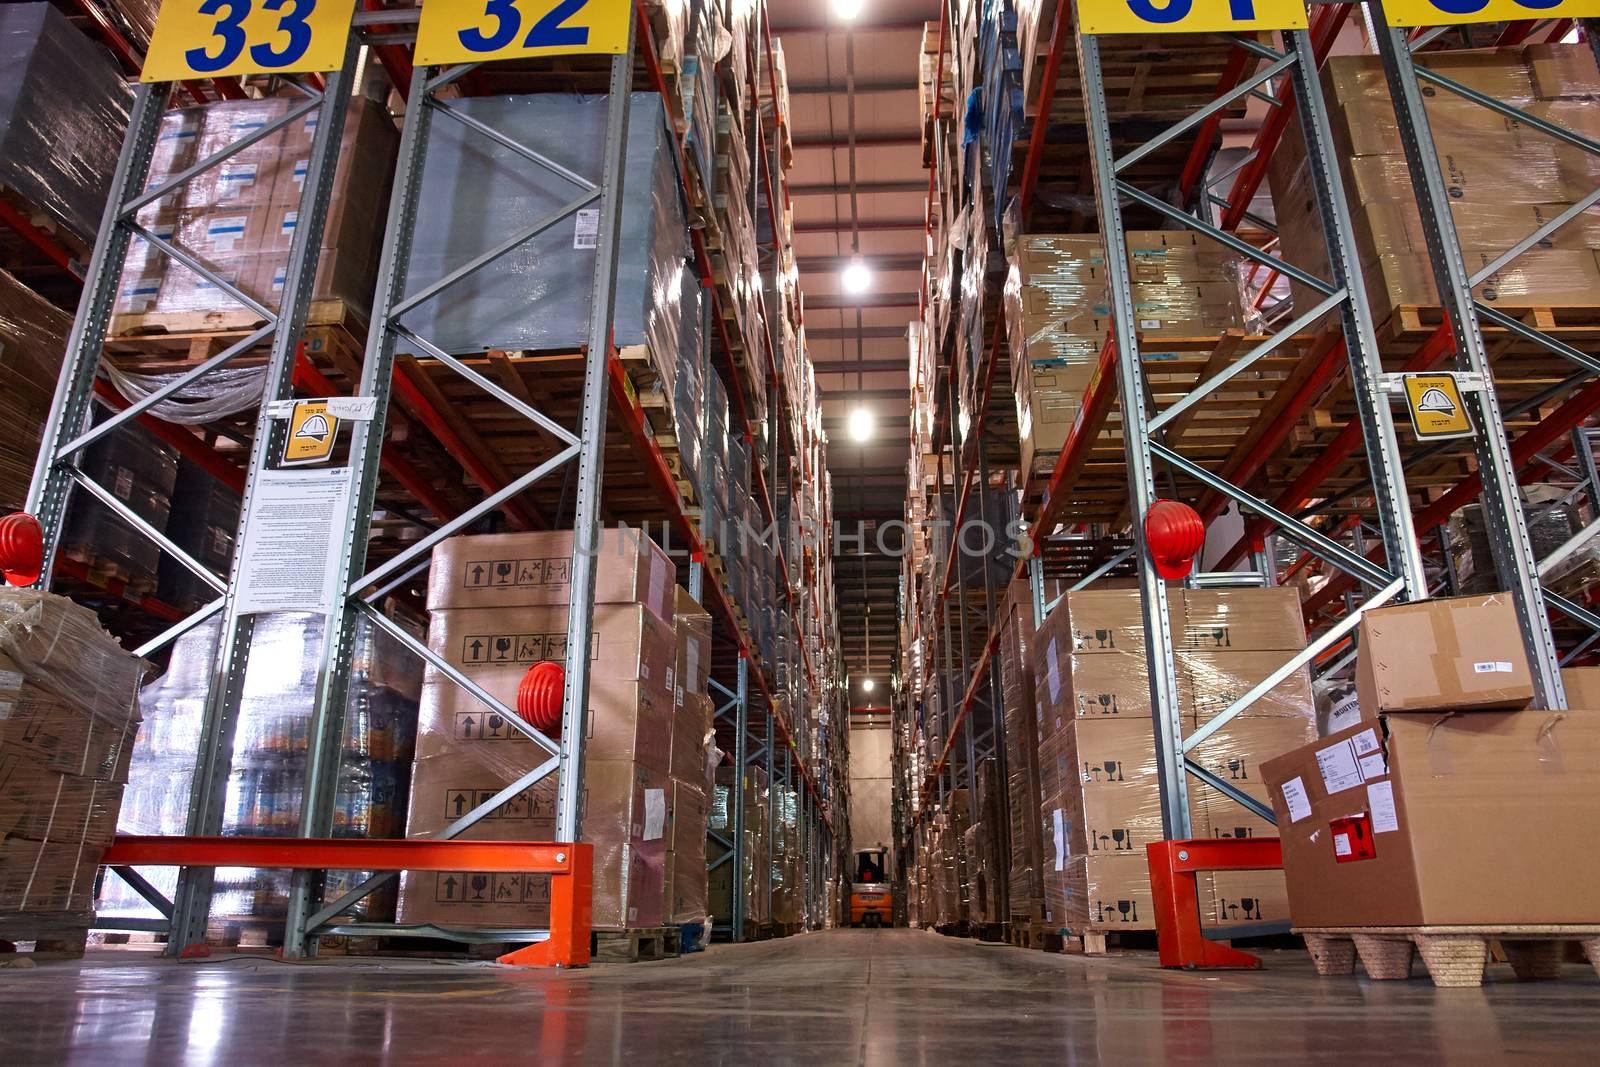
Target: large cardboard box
50 876
39 726
1214 679
630 699
530 569
1563 70
687 812
691 726
1101 893
1443 819
624 818
1216 620
1242 899
1456 654
1582 685
1111 686
692 624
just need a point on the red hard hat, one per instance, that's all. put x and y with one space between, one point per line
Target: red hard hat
539 697
21 548
1174 533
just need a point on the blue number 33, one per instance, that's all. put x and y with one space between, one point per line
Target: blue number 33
547 32
229 30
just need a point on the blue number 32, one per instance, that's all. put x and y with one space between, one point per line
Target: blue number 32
547 32
229 29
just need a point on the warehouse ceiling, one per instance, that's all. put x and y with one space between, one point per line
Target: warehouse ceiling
858 187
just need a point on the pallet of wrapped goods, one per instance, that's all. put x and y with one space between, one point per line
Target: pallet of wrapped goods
62 111
33 335
69 692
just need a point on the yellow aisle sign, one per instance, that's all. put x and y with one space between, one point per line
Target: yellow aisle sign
312 432
1190 16
1456 12
223 38
1436 407
471 31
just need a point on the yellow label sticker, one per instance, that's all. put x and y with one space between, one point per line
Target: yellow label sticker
1190 16
312 432
1457 12
471 31
224 38
1437 410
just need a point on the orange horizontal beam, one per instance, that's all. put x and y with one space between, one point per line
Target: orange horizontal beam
324 853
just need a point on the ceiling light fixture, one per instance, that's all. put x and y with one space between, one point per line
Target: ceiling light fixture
862 424
848 9
856 277
866 685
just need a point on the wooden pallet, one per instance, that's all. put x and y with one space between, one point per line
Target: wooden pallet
1455 956
634 946
53 935
1034 934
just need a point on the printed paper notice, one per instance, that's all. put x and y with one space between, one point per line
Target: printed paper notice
1053 674
1380 798
1294 796
1341 845
1373 766
1339 769
655 814
291 546
1061 839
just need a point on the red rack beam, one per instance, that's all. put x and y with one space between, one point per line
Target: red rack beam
569 865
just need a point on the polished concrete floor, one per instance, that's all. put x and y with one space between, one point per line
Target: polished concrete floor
845 996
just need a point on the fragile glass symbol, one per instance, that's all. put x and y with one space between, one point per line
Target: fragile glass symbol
1437 400
315 428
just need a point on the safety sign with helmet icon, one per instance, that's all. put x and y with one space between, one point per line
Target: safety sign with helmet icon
312 433
1437 410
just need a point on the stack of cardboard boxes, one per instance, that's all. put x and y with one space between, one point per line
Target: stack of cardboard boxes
752 794
68 715
1024 884
1058 314
498 604
239 216
1451 802
1101 801
688 805
1504 178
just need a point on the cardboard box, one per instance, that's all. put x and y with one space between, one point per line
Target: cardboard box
1243 619
1423 819
1562 70
687 811
1213 680
1237 751
1101 894
46 805
47 876
692 625
691 724
624 818
1245 899
1582 685
528 569
1456 654
37 725
1106 686
630 699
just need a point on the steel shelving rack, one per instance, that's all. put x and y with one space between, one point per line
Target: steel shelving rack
753 699
1397 563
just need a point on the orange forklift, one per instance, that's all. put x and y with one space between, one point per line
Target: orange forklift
871 897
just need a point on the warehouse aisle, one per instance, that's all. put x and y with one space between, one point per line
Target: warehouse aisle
845 996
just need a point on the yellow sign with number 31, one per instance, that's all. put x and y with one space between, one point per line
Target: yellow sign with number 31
1190 16
1457 12
471 31
225 38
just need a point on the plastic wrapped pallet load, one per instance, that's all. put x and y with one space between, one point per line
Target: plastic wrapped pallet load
33 334
63 107
537 295
67 723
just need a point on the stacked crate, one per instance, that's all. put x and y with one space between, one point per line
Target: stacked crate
1504 179
1100 782
1058 316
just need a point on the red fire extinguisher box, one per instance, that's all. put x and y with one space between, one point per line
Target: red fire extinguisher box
1440 818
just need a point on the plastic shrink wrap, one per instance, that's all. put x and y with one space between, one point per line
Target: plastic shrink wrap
68 720
33 337
141 472
265 791
63 109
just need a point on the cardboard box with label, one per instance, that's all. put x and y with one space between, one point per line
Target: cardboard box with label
1456 654
1219 620
531 569
1443 819
624 818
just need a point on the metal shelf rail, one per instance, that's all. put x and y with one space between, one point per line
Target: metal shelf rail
389 32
